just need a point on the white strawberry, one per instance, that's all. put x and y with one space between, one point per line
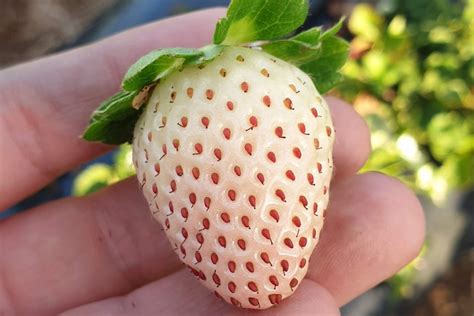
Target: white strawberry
235 162
233 149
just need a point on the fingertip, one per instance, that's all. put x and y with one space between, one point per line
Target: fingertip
352 146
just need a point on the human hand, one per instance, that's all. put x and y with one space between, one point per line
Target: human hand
104 254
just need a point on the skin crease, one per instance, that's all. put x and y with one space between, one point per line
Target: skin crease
104 255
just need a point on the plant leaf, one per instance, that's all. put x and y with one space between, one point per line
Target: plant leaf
319 54
113 122
324 70
252 20
155 65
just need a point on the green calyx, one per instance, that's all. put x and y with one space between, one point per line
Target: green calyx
256 23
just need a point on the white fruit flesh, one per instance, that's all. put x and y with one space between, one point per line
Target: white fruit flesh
235 161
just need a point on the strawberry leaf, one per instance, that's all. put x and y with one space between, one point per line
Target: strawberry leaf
319 54
160 63
253 20
113 122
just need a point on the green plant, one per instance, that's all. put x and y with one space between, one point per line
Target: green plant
411 75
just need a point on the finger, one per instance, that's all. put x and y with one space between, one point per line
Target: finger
374 227
178 294
114 233
45 104
352 145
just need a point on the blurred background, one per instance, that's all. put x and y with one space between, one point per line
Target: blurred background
410 74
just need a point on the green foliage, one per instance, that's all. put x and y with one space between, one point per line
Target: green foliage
412 68
253 20
98 176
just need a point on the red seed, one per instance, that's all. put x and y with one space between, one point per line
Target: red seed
274 280
209 94
267 101
244 86
315 208
302 128
164 149
216 279
167 223
296 221
184 213
222 241
225 217
271 156
288 242
196 173
235 302
231 195
293 87
173 185
290 175
214 258
183 251
215 178
198 148
279 132
275 215
303 201
248 148
250 267
179 170
176 144
217 294
241 244
252 201
253 121
297 152
200 238
254 301
314 233
280 194
190 92
206 223
170 205
261 178
266 234
157 168
252 286
302 263
207 202
284 265
275 298
310 179
154 188
218 154
265 257
320 167
245 221
198 256
237 171
231 265
205 121
314 112
328 131
202 276
232 287
303 242
288 103
184 232
192 198
230 105
184 121
226 133
293 283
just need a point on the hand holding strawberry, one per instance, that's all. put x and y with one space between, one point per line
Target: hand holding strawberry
106 245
